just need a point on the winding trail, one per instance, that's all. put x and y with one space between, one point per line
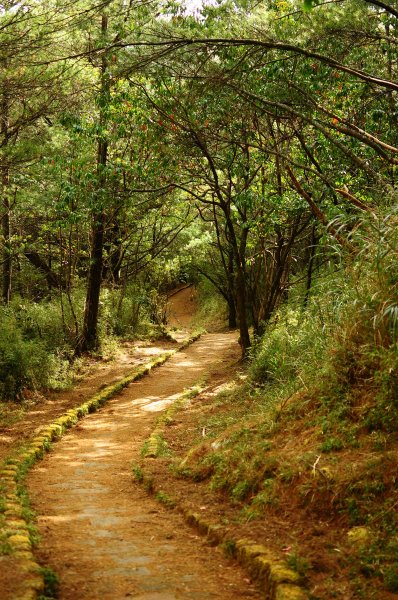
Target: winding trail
100 531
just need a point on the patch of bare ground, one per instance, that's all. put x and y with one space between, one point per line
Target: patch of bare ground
182 304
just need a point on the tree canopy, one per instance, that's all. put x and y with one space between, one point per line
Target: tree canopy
270 125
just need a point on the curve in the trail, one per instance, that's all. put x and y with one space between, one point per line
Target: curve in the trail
181 306
103 535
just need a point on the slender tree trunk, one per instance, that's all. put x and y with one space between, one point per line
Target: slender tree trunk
244 338
240 281
232 321
5 221
53 280
89 340
6 230
310 267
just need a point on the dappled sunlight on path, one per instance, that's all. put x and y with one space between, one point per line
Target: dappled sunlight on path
100 531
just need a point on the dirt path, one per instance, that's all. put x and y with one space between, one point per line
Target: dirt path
100 531
181 307
26 419
97 375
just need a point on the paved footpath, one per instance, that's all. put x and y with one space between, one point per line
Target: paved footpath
100 531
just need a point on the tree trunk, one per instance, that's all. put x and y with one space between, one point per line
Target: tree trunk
240 280
53 280
244 338
310 267
5 221
232 322
89 340
6 230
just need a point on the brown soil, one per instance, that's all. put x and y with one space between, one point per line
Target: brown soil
181 307
307 529
24 419
97 374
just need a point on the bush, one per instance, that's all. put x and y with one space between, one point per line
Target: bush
292 345
122 311
23 363
212 308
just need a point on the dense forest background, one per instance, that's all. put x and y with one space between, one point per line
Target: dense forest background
251 145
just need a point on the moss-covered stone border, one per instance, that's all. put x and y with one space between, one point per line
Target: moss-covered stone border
16 523
276 580
153 445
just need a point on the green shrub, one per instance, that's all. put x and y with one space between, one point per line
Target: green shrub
121 311
23 363
391 578
212 308
292 344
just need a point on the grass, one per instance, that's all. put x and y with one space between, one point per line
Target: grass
298 563
137 472
51 584
11 413
268 461
165 499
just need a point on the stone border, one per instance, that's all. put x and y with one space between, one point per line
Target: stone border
14 470
276 580
153 444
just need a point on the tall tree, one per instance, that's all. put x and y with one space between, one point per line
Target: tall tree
89 337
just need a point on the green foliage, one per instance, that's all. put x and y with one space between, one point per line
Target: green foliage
211 313
229 548
137 472
292 345
391 578
299 563
23 363
51 584
363 355
165 499
331 444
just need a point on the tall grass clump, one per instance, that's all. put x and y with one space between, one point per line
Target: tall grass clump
363 357
294 343
212 309
345 339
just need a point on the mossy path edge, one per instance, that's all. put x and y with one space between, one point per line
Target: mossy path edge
16 526
275 579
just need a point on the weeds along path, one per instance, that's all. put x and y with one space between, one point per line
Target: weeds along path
100 532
